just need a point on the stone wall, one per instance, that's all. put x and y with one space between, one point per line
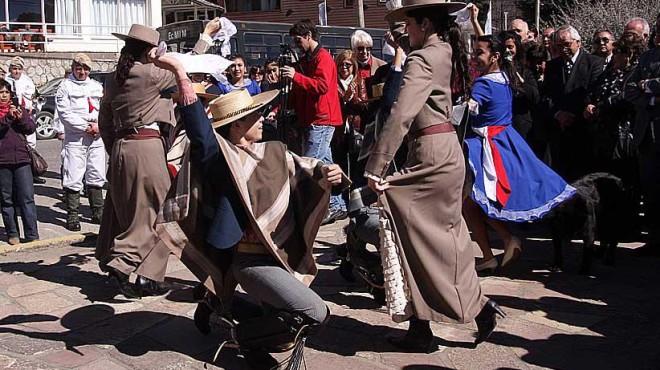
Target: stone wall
43 67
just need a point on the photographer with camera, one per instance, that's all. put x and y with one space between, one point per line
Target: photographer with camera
316 101
16 187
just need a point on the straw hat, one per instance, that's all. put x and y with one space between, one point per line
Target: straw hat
200 91
238 104
140 33
407 5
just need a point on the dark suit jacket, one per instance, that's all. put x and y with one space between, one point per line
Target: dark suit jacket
228 220
648 68
569 93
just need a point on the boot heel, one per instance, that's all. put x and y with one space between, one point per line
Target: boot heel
498 310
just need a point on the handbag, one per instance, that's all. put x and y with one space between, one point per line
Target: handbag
39 164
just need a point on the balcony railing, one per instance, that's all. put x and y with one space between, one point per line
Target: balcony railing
36 37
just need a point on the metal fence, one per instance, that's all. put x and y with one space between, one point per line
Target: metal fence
35 37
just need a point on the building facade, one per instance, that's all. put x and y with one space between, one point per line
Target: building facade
71 25
339 12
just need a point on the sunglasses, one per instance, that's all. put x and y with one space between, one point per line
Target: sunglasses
347 65
604 40
363 48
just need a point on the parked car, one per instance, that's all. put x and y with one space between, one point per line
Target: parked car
45 103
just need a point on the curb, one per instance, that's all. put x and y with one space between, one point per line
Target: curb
46 243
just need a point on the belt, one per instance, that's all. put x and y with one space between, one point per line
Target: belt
252 248
139 134
439 128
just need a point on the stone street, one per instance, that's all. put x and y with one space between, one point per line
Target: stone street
58 311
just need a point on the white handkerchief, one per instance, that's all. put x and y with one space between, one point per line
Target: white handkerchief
215 65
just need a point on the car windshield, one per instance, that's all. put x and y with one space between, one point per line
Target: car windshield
50 87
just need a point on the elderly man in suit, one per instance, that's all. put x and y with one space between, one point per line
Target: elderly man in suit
568 78
643 90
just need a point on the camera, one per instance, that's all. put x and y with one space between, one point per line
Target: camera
287 56
14 101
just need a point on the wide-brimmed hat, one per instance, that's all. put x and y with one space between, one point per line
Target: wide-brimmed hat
140 33
200 90
238 104
407 5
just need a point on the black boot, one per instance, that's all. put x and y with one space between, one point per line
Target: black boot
125 287
486 320
202 318
148 287
418 338
72 203
95 195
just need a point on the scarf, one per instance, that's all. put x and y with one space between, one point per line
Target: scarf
346 83
4 109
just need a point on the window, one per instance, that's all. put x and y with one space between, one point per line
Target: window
334 44
116 15
262 46
25 11
67 12
251 5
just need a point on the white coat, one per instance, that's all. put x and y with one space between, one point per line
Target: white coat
24 90
84 158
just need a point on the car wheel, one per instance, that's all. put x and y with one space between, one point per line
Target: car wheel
45 129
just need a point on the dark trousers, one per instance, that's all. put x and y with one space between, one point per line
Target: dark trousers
649 169
17 191
572 152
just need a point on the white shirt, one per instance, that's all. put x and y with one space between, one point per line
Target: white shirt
78 103
23 88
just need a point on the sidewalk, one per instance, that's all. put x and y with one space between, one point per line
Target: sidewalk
59 312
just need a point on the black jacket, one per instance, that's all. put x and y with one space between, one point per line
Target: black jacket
569 93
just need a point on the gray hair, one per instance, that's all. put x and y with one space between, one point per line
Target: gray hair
361 38
645 24
575 35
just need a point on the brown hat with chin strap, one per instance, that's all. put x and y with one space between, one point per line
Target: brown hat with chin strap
238 104
140 33
399 14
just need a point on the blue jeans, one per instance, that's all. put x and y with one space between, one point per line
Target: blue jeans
317 145
17 191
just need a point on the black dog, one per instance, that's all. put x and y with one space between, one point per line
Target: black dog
597 211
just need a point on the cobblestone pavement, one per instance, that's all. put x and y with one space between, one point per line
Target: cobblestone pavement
59 311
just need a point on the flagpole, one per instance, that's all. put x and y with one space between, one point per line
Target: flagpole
361 13
538 16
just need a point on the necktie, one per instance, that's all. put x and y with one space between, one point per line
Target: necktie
569 67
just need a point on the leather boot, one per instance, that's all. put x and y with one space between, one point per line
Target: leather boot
95 195
418 338
72 203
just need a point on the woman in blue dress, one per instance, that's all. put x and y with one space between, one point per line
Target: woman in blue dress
510 182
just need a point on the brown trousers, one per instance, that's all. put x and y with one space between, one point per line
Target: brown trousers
139 182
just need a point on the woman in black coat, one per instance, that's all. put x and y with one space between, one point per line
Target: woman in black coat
526 90
16 185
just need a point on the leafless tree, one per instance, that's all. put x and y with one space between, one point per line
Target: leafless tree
591 15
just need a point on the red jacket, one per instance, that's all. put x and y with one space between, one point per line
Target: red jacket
315 96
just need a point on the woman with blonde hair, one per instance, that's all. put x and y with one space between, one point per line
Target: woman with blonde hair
353 99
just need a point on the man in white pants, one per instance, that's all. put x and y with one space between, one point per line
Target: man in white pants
24 89
78 101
